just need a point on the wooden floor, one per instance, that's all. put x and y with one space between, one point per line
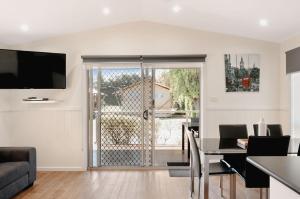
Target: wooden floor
121 184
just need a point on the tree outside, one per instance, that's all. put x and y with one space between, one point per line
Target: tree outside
185 87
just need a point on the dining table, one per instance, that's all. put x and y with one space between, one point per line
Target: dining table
212 148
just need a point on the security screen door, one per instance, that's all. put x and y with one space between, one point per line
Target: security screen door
121 119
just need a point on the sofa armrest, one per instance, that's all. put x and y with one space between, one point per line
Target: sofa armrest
16 154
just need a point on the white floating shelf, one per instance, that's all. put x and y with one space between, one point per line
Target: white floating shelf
39 101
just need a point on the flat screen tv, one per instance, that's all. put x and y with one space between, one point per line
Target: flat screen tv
32 70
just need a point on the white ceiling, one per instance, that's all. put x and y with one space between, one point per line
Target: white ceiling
47 18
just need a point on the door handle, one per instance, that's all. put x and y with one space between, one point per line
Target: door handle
145 114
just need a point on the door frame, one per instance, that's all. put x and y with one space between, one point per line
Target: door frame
85 112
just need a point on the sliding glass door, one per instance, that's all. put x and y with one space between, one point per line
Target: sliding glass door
295 107
137 113
176 104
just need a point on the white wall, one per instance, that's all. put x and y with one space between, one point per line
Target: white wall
58 130
4 115
5 120
285 82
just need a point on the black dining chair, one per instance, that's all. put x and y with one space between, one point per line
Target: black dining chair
195 163
233 132
229 134
262 146
298 154
273 130
216 168
268 145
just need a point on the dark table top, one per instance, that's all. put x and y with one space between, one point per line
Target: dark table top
215 146
285 169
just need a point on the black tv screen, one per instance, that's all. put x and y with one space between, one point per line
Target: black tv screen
32 70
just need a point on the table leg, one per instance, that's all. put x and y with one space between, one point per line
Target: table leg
232 186
182 138
206 177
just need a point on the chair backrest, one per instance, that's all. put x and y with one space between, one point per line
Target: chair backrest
273 130
255 128
268 146
195 154
233 131
229 133
298 151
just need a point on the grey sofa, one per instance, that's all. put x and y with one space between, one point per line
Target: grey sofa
17 170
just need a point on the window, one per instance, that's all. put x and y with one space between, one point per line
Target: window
295 105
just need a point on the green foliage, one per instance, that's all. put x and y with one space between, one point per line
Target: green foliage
123 80
111 86
120 129
185 87
164 79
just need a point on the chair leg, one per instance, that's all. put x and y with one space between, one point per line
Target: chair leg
192 182
199 188
192 177
221 186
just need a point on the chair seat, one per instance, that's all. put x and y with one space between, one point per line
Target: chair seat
11 171
218 168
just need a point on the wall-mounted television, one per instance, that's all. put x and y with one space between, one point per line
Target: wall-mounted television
32 70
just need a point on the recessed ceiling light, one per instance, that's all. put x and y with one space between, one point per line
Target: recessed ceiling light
263 22
176 8
24 28
106 11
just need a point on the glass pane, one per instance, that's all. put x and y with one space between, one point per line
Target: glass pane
295 104
177 101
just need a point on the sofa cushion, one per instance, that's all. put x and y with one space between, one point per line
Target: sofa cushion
11 171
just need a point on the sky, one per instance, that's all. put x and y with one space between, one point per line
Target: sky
249 60
115 72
